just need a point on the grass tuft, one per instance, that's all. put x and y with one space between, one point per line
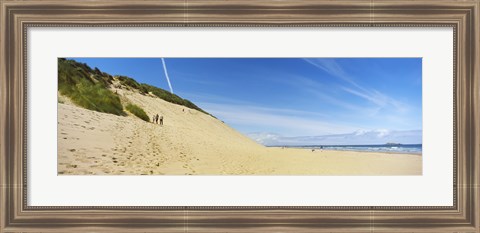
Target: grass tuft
137 111
85 91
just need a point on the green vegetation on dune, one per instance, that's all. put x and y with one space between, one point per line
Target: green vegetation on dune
169 97
96 97
86 90
137 111
89 88
160 93
130 82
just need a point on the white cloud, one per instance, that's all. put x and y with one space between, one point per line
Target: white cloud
359 137
263 138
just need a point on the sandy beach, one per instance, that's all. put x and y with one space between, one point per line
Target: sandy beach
193 143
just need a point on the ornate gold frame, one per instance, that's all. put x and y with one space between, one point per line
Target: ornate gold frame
17 16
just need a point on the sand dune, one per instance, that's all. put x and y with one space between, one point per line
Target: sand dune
193 143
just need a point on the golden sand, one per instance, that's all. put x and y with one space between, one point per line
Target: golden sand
193 143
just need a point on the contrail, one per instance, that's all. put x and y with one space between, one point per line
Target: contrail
166 75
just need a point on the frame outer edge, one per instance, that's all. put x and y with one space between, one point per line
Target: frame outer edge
4 186
2 116
5 120
476 110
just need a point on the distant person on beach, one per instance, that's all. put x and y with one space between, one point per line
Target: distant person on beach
153 118
161 120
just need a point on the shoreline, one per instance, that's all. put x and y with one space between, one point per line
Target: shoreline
360 151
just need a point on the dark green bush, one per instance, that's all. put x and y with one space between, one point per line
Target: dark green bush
137 111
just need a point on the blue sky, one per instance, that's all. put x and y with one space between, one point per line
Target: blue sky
293 97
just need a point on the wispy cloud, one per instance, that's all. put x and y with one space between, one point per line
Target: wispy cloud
166 75
377 98
286 121
320 91
330 66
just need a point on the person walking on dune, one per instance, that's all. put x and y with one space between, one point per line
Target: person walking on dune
154 118
161 120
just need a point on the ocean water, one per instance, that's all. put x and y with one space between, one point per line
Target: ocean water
402 148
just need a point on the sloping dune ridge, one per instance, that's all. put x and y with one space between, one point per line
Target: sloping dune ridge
193 143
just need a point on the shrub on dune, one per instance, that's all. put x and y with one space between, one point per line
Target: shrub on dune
97 98
86 92
137 111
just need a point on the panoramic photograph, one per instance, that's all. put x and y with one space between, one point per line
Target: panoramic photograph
239 116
